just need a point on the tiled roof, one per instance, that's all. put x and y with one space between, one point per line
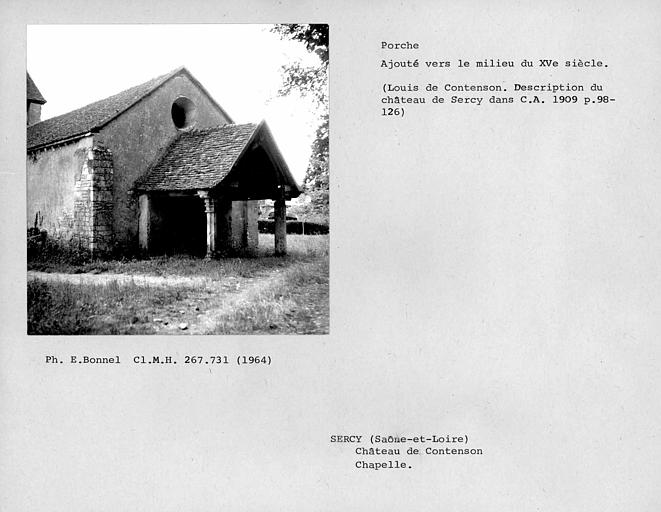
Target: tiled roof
199 159
90 117
33 93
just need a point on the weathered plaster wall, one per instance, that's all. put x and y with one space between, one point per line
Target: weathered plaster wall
245 232
253 226
51 182
34 112
138 136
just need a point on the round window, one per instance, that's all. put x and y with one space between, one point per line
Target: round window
183 113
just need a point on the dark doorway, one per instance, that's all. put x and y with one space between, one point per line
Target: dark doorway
179 226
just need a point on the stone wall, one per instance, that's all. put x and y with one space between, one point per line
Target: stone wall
93 201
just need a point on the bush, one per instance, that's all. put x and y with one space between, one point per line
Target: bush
36 241
44 249
295 227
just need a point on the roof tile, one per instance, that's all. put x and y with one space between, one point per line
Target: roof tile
33 93
89 117
199 159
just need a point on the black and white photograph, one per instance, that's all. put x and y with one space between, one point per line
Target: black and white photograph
330 256
178 179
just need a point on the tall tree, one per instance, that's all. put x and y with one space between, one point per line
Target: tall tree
311 81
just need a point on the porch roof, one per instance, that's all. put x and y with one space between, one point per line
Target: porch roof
203 159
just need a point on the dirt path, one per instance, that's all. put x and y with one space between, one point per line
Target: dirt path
205 304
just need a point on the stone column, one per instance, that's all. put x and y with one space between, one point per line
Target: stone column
210 210
144 222
280 215
102 200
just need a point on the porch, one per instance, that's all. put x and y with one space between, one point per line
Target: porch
201 196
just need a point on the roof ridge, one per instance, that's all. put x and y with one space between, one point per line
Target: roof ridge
156 81
95 115
159 80
200 132
220 127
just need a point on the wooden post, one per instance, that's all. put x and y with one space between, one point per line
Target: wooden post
144 222
280 215
244 225
210 210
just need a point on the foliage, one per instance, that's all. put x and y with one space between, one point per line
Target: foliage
312 82
43 250
314 36
46 252
295 227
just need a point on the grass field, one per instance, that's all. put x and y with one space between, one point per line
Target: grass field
179 295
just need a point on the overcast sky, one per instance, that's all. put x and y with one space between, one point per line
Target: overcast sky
73 65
